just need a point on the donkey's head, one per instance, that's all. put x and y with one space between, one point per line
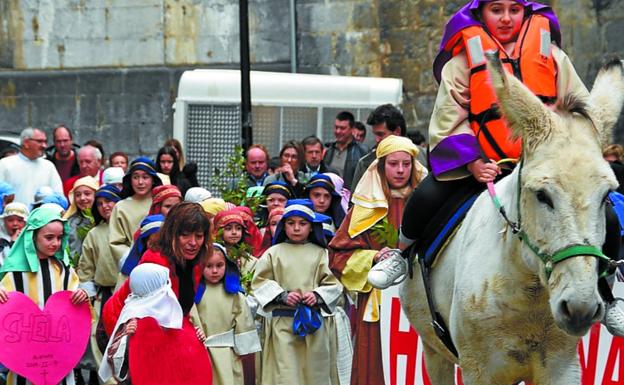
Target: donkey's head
564 185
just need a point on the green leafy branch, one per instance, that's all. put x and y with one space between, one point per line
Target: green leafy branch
239 253
232 184
385 234
81 232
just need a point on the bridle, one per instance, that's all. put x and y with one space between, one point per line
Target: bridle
606 264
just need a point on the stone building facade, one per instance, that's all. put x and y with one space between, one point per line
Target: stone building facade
110 68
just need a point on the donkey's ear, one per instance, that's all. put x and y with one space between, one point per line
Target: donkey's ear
607 97
524 112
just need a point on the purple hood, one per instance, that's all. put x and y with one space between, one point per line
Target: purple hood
465 18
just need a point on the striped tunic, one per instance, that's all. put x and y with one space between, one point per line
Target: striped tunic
51 278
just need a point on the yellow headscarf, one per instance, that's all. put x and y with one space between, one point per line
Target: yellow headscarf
88 181
213 206
369 201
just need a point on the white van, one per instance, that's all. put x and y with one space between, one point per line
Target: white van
285 106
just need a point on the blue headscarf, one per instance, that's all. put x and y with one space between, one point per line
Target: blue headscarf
231 279
329 230
141 163
305 209
149 225
5 190
278 187
56 198
335 210
107 191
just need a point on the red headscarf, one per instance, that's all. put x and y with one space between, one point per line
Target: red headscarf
253 236
159 194
224 218
267 238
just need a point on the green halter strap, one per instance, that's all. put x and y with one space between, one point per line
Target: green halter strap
549 260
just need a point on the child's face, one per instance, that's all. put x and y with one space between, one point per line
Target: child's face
215 267
49 239
84 196
321 199
275 200
168 204
14 224
232 233
141 183
273 223
297 229
105 207
503 18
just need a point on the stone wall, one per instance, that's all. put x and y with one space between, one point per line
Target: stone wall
52 34
110 68
401 38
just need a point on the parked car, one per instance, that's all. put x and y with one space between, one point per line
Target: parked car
9 141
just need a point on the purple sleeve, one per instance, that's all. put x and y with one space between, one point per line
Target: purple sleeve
453 152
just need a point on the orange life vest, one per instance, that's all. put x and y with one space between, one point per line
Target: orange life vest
531 62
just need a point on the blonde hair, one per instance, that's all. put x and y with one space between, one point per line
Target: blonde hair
415 177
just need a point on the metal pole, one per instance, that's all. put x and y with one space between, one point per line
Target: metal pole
244 70
293 37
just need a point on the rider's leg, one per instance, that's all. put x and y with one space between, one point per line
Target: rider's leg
421 207
614 315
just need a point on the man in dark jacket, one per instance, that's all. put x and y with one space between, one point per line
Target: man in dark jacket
343 154
385 120
63 153
313 156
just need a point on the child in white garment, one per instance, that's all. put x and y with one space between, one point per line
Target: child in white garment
151 296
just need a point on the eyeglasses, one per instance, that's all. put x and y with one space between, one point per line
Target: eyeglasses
41 141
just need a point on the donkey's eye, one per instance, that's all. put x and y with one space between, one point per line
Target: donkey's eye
543 197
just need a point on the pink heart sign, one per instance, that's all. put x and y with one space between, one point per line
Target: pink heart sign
43 346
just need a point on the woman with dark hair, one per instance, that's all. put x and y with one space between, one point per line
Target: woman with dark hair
134 206
183 248
167 163
188 169
291 156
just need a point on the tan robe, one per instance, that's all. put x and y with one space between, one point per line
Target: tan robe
33 288
286 358
97 265
230 330
124 221
97 268
352 259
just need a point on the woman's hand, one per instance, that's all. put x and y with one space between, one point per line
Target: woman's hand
4 296
293 298
289 174
484 172
309 298
79 296
131 327
201 336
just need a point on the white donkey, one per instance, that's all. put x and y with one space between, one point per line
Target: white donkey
509 319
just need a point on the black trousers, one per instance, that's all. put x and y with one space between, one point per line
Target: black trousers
433 202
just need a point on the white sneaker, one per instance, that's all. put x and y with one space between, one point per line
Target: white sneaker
389 271
613 318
